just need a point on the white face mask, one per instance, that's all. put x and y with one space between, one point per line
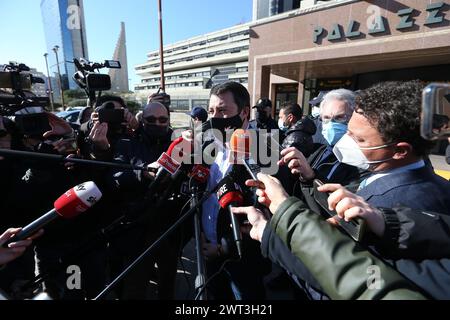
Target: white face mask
315 112
347 151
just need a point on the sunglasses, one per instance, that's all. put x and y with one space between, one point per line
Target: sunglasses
153 120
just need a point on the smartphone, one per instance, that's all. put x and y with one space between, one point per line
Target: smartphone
111 116
435 116
33 125
354 228
252 168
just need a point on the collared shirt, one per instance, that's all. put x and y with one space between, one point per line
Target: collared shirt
372 178
211 207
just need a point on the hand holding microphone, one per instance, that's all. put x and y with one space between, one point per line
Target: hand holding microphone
72 203
14 249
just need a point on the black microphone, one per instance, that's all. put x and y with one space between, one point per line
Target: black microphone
230 195
75 201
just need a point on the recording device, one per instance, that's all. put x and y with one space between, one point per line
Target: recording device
16 78
32 125
161 97
436 111
111 116
168 171
230 195
354 228
89 78
72 203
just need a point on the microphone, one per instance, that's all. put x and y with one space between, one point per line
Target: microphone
241 155
169 167
72 203
230 195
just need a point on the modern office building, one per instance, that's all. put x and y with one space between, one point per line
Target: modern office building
64 26
192 66
348 43
119 77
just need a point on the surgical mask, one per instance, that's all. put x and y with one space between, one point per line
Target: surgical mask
222 124
315 112
333 132
347 151
282 126
154 131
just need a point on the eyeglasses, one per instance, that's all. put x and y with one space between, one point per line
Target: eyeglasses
341 118
153 120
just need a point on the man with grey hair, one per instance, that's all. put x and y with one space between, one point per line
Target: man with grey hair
335 112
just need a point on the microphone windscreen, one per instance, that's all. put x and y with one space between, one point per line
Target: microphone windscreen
77 200
229 192
240 143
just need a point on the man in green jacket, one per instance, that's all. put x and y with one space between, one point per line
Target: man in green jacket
344 269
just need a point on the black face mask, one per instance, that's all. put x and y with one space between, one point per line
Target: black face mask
261 116
222 124
155 132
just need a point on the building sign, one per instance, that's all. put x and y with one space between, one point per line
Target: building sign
379 24
336 83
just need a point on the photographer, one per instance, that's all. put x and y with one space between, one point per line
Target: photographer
106 127
145 223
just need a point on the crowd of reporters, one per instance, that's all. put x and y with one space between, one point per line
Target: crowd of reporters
366 148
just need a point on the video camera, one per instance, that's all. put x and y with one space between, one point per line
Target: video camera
15 78
89 78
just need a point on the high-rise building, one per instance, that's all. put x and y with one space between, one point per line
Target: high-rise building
193 65
119 77
64 26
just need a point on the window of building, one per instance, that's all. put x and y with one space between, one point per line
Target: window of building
180 105
204 103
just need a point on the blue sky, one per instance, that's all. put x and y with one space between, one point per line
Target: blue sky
23 38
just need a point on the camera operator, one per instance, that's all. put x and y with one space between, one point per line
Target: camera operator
264 115
145 223
101 137
34 188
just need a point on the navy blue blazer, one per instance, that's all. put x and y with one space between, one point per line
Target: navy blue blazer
419 189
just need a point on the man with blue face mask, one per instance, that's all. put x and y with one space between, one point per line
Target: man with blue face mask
336 109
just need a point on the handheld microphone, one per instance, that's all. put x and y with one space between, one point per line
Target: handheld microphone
230 195
241 155
168 167
72 203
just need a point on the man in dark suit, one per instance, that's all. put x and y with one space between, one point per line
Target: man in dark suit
384 137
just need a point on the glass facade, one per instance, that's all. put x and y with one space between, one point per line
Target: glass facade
64 27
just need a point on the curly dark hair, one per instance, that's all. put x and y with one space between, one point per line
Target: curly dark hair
394 108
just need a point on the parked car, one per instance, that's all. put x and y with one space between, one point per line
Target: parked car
72 115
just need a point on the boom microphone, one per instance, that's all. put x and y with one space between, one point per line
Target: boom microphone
229 196
72 203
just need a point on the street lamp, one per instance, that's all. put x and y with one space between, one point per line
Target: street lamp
49 83
55 49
